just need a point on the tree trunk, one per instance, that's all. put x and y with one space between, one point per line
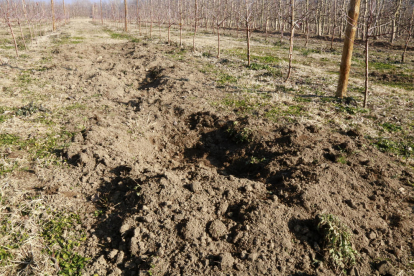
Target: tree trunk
351 27
366 65
64 11
126 15
248 42
14 38
307 24
334 25
195 24
394 22
410 29
292 33
21 33
53 15
218 41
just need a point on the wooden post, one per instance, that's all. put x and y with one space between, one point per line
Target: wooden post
351 28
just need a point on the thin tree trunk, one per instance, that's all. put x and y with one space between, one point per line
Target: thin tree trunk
334 26
410 28
248 42
366 65
292 33
126 15
307 24
353 14
195 24
21 33
53 15
64 11
218 41
14 38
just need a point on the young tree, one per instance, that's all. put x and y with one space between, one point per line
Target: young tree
292 34
247 17
126 15
352 21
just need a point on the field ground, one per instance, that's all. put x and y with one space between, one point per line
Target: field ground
121 155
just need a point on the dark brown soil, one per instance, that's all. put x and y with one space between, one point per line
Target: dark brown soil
201 193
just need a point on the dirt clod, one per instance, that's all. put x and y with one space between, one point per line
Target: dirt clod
217 229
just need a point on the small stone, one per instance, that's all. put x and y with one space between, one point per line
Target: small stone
248 188
112 254
384 268
116 272
223 208
148 219
120 257
252 257
217 229
372 235
195 187
226 261
160 252
192 230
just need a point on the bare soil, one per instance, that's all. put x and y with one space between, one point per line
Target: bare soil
167 183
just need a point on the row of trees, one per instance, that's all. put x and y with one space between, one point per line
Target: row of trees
25 19
390 20
313 17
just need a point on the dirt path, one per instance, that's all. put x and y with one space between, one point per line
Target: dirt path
165 184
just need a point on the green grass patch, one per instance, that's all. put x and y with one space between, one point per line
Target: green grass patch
225 78
266 59
277 113
24 78
302 99
63 240
8 139
40 147
352 110
115 35
380 66
403 148
307 52
390 127
76 106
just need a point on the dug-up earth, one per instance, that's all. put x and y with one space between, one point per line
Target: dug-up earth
164 183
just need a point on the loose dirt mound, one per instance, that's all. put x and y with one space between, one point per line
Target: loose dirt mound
184 190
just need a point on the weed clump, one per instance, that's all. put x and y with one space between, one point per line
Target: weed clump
239 134
337 241
30 109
